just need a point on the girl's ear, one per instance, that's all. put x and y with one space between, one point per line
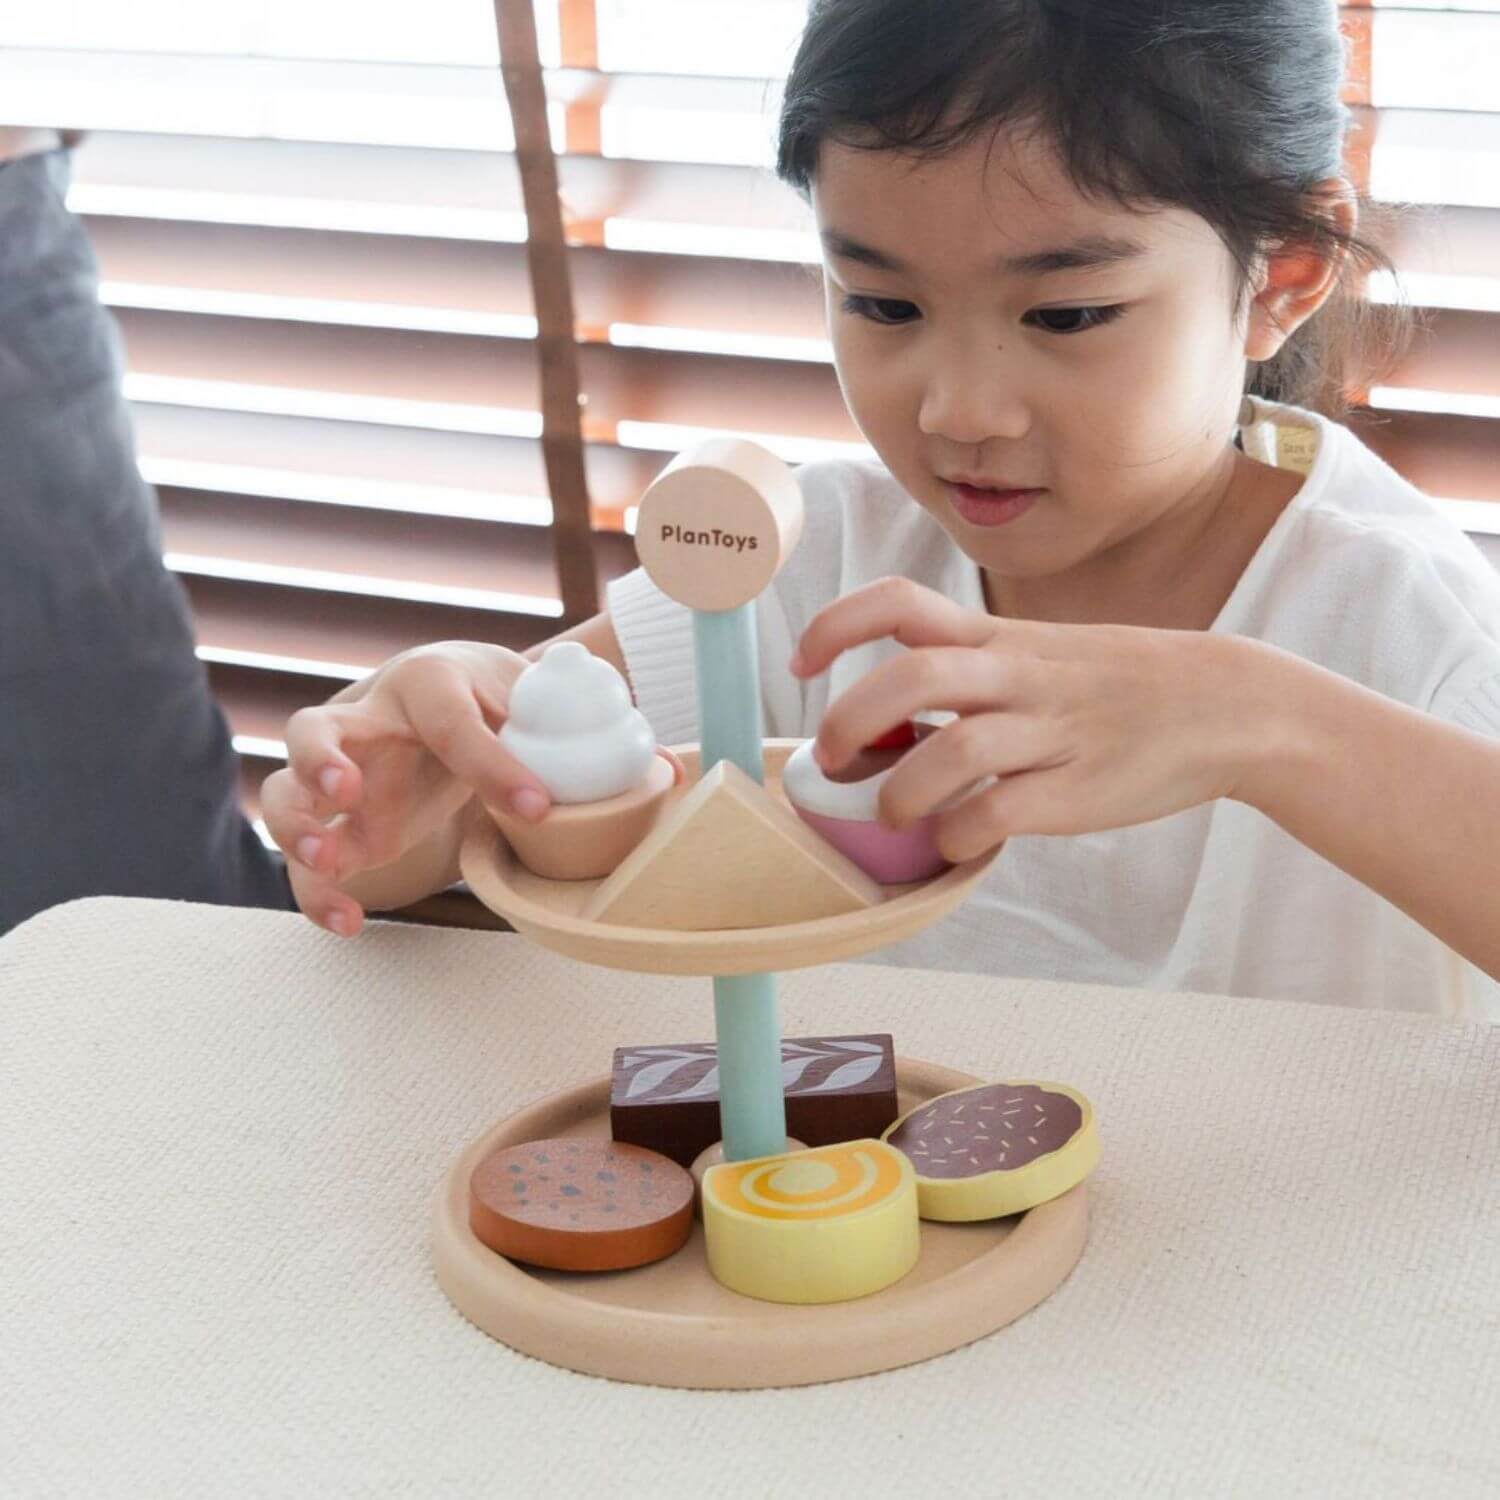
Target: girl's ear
1293 280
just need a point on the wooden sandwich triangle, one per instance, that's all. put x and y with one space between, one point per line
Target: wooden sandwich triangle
730 855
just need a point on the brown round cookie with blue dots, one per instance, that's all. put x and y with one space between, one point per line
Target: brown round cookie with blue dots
581 1205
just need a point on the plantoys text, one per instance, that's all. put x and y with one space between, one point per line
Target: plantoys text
714 538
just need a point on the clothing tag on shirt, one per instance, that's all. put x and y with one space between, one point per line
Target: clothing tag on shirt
1296 448
1283 445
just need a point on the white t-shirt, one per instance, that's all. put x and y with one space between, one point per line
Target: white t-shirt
1361 573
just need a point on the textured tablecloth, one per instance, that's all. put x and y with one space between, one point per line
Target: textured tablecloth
223 1130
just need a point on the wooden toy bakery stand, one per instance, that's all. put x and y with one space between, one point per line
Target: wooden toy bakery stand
712 533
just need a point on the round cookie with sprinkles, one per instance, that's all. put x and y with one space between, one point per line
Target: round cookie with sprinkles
997 1148
581 1205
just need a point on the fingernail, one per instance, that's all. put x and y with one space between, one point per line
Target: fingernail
307 850
796 664
329 780
340 923
528 804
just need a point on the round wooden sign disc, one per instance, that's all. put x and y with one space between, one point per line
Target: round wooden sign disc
718 522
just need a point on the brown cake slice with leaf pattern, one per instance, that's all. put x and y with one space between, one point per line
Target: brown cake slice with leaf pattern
838 1088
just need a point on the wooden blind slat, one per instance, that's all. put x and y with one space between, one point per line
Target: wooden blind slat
580 34
1357 29
440 285
341 461
412 550
1441 454
347 628
552 291
469 383
1459 352
409 550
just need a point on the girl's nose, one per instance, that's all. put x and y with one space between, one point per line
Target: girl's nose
968 406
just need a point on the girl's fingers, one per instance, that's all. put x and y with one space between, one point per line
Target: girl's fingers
318 855
334 849
1025 803
315 740
443 710
291 815
956 678
358 772
322 903
891 607
960 755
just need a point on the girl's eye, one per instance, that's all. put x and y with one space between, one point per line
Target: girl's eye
887 310
1073 319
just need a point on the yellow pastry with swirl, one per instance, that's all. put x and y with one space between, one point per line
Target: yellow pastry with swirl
826 1225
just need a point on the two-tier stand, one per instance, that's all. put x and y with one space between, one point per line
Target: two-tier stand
712 532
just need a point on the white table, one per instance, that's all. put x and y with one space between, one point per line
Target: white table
223 1130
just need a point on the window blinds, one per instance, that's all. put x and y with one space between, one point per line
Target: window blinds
1423 79
310 227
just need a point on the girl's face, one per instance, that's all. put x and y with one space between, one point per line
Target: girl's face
992 327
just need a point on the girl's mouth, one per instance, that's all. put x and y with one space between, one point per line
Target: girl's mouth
990 507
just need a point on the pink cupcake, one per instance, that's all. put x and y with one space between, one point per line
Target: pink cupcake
844 808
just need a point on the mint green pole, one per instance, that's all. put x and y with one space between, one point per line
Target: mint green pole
752 1107
727 659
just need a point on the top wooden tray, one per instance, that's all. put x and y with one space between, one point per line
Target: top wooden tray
547 911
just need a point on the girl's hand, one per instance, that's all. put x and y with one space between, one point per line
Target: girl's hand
387 763
1087 727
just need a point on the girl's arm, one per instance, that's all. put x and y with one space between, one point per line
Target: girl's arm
431 864
1070 729
1403 802
411 744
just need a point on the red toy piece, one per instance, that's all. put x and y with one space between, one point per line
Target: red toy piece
902 737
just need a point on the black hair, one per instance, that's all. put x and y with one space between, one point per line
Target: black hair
1228 108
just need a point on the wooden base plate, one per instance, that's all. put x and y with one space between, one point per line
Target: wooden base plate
547 911
672 1324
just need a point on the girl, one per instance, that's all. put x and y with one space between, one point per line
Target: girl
1088 268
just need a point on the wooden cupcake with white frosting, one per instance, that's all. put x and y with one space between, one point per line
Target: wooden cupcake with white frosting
571 723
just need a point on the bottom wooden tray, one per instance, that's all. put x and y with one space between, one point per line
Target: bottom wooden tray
672 1324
